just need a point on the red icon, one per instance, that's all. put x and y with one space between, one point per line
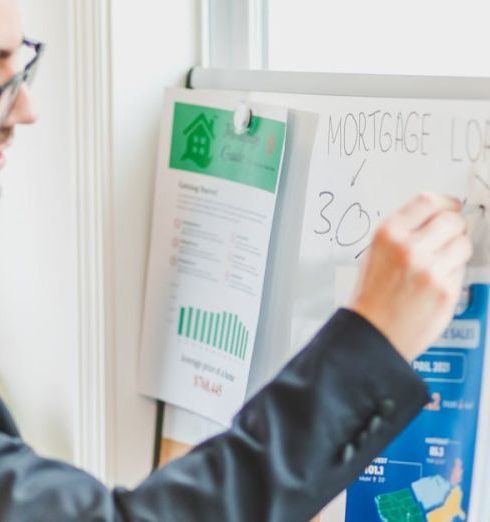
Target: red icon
173 260
177 223
175 241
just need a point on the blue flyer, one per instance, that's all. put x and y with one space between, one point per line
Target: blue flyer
425 475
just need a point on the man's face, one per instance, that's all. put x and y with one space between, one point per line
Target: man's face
10 42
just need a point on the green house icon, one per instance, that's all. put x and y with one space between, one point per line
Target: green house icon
200 134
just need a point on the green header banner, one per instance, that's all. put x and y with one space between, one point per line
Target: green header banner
204 142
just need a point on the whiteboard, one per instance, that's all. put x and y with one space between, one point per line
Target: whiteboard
379 141
360 164
369 157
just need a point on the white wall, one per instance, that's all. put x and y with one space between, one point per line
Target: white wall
38 291
155 43
438 37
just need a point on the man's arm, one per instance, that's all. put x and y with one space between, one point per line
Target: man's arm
299 441
309 432
290 450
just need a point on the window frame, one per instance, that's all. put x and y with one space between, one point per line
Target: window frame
234 34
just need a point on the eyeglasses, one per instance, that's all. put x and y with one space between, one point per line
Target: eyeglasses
30 52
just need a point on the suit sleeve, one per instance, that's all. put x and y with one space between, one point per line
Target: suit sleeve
293 447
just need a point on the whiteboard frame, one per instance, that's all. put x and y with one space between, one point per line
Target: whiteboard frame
341 84
234 33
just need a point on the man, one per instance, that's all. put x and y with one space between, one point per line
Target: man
307 434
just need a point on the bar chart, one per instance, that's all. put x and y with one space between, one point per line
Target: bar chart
219 330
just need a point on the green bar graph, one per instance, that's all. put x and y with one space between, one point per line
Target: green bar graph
219 330
242 345
224 322
237 338
216 330
228 330
233 335
196 324
181 321
210 328
189 321
203 327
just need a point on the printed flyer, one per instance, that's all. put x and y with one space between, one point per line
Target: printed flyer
427 473
214 205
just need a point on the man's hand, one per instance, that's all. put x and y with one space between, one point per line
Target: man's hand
413 275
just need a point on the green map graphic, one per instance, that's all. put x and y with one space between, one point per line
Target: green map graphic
429 499
399 506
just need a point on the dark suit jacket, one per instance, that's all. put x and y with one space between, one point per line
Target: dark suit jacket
300 441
